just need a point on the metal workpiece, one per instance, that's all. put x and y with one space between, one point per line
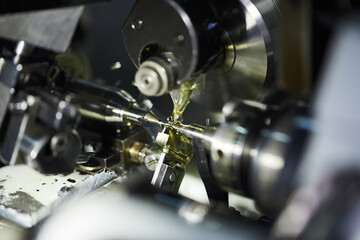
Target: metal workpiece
203 134
225 144
134 114
107 104
114 115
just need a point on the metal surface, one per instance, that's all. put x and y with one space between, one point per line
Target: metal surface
27 196
154 36
256 149
49 151
249 65
107 104
10 70
115 153
193 48
160 171
48 29
145 154
231 42
225 144
152 79
40 132
227 148
273 161
20 119
167 177
254 153
250 56
8 77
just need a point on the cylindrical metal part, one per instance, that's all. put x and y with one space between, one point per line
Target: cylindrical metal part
142 153
103 103
49 151
194 131
137 152
232 40
274 158
260 159
185 34
257 154
227 148
152 79
187 29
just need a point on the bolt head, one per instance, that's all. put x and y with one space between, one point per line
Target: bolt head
172 177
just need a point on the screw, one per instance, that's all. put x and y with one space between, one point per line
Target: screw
179 39
172 177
